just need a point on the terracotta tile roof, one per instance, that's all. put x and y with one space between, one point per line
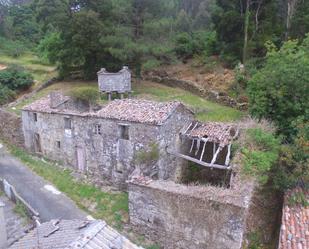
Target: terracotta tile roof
133 110
294 233
141 111
44 105
220 133
73 234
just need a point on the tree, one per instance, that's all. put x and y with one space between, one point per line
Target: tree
279 91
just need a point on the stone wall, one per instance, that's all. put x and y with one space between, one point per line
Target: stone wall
181 217
219 97
106 157
11 128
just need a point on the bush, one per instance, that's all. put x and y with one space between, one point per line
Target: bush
6 94
16 78
279 91
12 48
86 94
260 154
149 156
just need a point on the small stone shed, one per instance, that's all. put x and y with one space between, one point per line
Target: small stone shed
119 82
107 143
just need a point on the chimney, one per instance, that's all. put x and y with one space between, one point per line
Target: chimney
54 99
3 235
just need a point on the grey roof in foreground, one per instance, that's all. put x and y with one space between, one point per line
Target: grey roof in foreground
73 234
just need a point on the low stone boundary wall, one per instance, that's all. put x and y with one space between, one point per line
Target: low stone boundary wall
192 87
12 194
181 217
11 128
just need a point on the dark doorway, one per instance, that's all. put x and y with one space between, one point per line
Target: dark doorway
37 143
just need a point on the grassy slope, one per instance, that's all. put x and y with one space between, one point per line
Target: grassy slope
32 63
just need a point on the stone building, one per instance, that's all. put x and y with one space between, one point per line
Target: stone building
124 137
119 82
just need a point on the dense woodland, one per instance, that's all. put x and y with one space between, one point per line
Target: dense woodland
267 36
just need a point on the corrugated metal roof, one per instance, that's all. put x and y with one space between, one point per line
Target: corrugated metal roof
73 234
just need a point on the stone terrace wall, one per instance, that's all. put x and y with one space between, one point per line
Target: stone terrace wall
11 128
181 217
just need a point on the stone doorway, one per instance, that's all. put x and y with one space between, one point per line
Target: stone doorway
37 143
80 159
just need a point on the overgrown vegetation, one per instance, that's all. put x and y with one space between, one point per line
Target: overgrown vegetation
148 156
260 154
13 80
85 94
298 198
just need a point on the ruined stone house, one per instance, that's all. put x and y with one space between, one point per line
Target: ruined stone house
107 143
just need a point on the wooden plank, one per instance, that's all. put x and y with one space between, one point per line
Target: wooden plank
215 156
187 128
217 166
192 146
227 159
202 154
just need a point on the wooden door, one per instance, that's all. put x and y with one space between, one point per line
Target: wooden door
80 158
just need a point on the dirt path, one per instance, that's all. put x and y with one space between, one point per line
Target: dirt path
2 67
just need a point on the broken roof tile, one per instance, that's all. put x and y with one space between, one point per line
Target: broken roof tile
220 133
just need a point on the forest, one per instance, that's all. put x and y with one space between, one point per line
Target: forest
265 41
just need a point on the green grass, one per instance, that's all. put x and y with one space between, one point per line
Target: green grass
205 110
33 64
111 207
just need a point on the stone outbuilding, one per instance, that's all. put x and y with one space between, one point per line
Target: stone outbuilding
124 137
119 82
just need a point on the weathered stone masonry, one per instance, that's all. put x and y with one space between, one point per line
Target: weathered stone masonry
195 217
93 142
11 128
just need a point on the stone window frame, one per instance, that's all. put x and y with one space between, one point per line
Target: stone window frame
58 144
124 131
98 129
67 123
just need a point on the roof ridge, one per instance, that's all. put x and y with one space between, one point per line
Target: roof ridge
87 235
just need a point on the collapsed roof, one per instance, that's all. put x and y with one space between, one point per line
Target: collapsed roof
221 135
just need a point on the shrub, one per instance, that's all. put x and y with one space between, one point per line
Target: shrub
279 90
16 78
85 94
12 48
260 154
148 156
6 94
